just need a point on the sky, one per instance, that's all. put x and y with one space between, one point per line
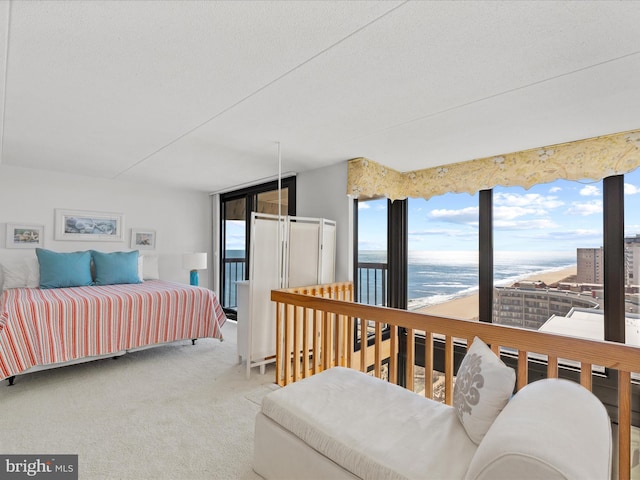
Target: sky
559 216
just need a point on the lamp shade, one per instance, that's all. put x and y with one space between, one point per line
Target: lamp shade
194 261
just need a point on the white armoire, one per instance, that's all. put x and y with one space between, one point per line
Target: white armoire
285 252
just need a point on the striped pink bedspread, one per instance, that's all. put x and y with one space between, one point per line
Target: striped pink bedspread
41 327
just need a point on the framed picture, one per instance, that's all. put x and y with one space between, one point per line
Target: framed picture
143 239
24 236
89 226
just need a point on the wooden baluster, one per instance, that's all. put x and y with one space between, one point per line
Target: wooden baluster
346 340
448 370
624 424
295 358
552 366
279 339
377 367
585 376
411 358
316 343
393 354
335 319
305 343
351 342
287 345
523 369
328 337
428 364
363 345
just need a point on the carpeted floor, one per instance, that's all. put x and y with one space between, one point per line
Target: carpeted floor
176 412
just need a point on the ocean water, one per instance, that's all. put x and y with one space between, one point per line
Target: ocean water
438 277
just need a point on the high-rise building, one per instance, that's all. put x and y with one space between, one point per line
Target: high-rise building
632 260
531 307
590 265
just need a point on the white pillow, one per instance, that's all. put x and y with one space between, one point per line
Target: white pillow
21 273
148 267
483 387
141 268
33 272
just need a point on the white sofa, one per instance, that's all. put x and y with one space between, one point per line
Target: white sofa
345 424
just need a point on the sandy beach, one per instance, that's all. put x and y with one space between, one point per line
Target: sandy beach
467 307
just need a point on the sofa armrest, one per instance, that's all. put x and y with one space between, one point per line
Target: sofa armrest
550 429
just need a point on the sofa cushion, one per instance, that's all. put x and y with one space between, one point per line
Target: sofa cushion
372 428
552 429
483 387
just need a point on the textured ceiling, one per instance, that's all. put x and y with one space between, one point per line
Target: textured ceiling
198 94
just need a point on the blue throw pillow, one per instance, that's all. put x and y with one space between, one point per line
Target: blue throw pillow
59 270
116 267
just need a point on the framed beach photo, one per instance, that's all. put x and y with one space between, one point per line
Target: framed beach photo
24 236
90 226
143 239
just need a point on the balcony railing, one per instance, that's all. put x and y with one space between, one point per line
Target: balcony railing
372 283
234 271
314 328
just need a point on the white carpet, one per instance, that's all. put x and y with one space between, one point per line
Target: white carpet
176 412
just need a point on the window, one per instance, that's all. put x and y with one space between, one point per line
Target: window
632 256
548 255
551 233
235 248
443 255
371 266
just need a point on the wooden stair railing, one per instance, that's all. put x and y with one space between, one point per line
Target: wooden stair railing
317 328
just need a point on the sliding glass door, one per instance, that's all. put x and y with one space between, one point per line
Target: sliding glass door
236 208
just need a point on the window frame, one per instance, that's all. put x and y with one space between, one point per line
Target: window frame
614 255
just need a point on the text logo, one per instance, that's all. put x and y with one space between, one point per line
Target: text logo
49 467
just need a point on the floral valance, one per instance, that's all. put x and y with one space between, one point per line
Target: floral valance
593 159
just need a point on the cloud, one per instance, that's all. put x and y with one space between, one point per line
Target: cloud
371 245
363 205
509 208
443 238
466 216
527 200
575 238
555 189
630 189
536 224
586 208
509 213
590 191
438 232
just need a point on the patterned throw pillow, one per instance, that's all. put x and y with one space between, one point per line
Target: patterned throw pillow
483 387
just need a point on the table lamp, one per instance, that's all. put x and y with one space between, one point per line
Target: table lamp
194 262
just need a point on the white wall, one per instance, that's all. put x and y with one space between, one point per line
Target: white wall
322 193
181 218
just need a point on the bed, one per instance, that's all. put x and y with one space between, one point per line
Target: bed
50 327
